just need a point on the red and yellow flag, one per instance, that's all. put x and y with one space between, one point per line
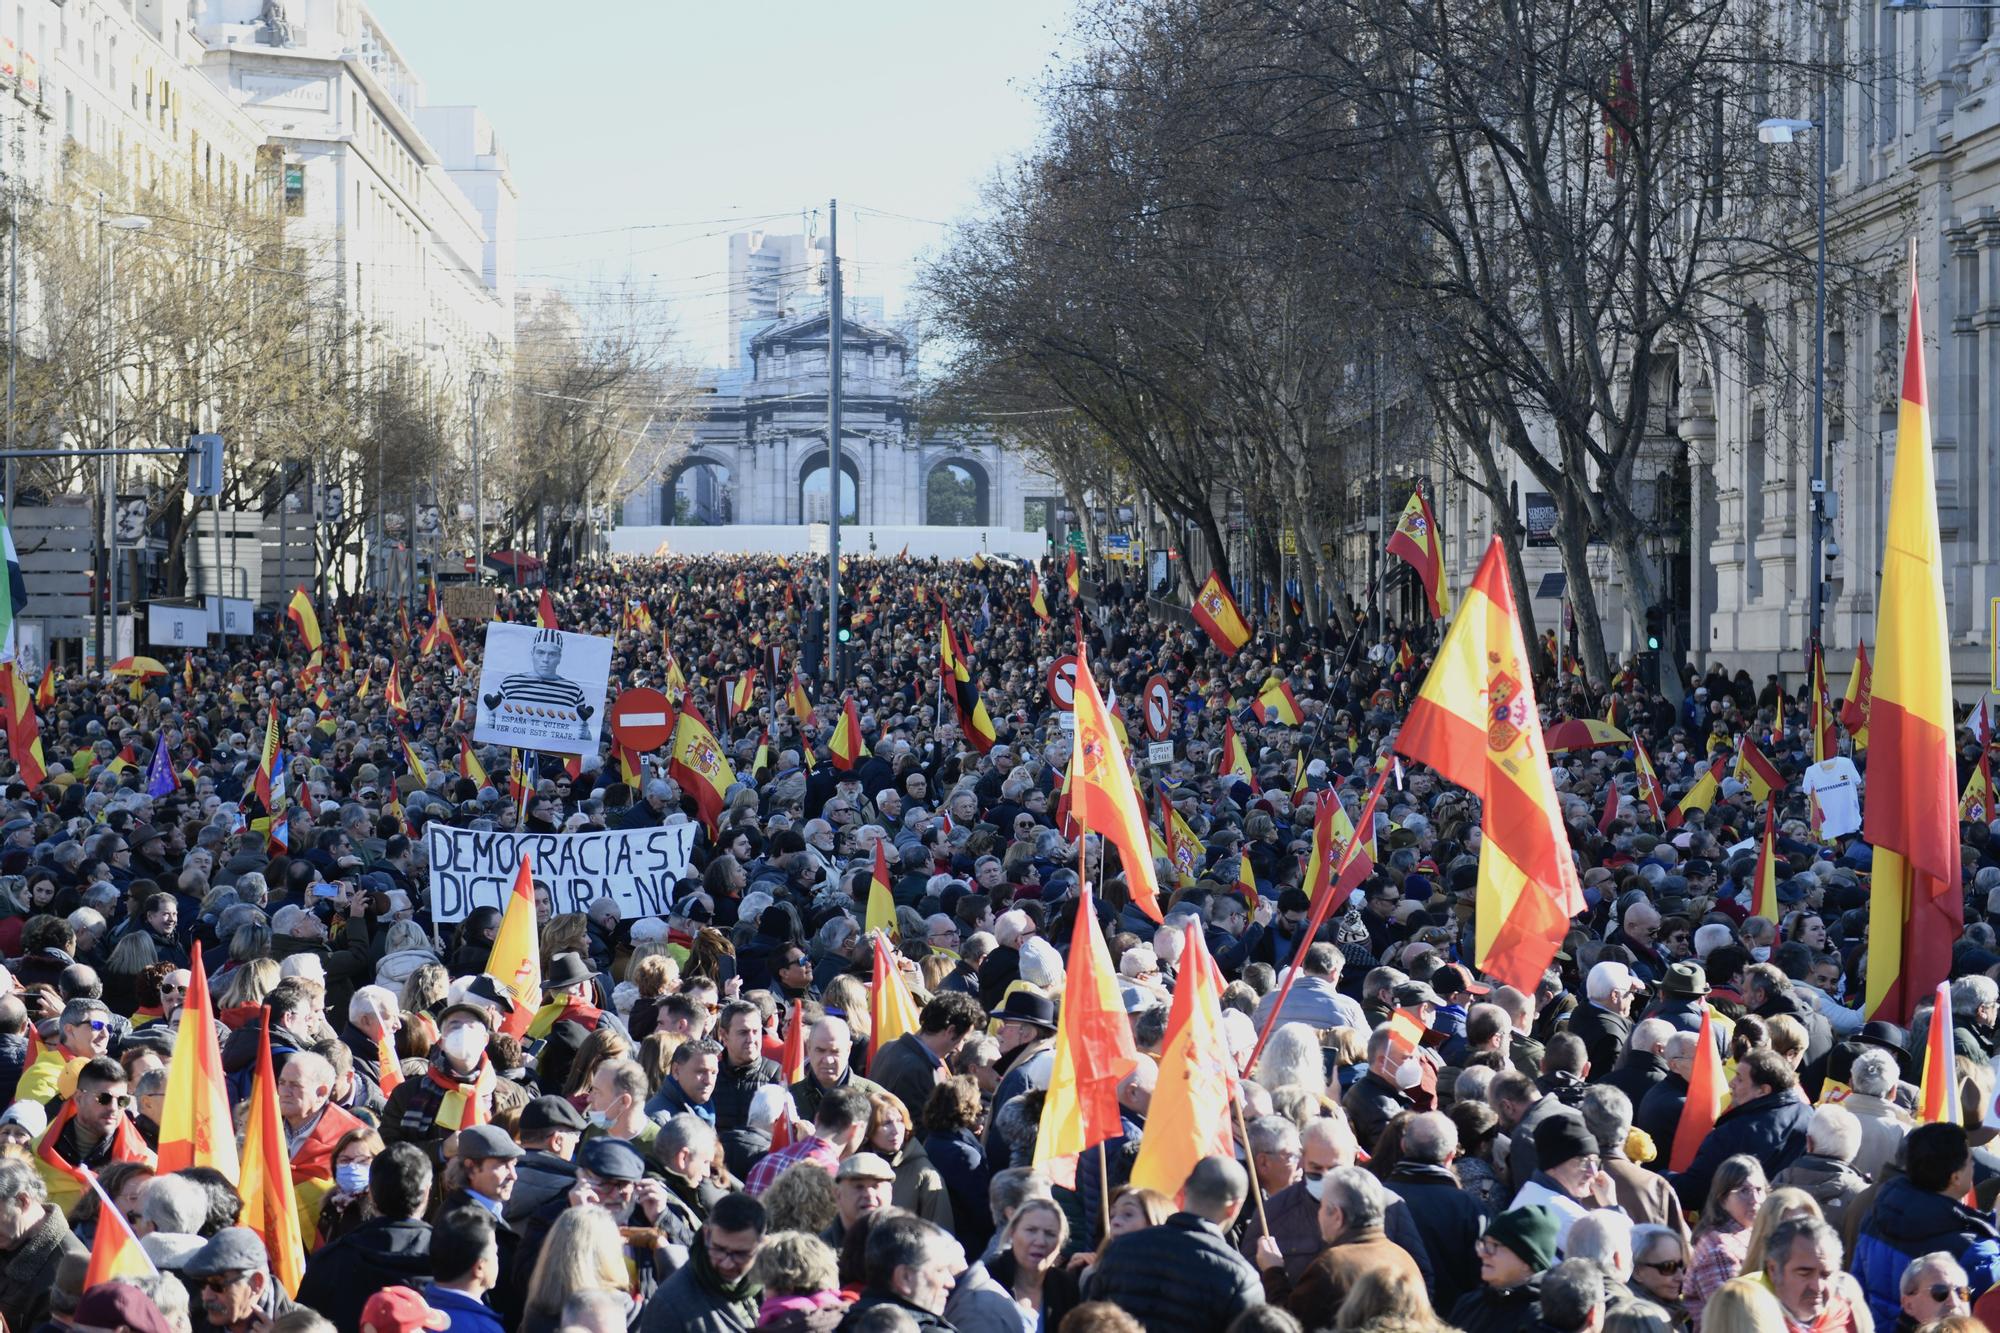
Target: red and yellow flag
270 1208
516 959
1071 578
1476 723
266 782
1231 759
881 914
1699 797
1764 898
1094 1051
1820 715
1916 908
115 1251
1860 693
194 1119
469 765
698 764
890 1004
66 1182
1704 1099
1755 770
1215 610
1276 703
392 692
300 612
545 611
799 701
415 765
1418 543
1189 1119
24 733
1937 1094
845 747
1035 598
1102 797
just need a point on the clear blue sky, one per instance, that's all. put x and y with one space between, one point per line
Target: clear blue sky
633 113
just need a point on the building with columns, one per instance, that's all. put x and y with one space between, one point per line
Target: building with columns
759 449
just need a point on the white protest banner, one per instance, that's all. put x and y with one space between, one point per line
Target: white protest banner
541 689
638 867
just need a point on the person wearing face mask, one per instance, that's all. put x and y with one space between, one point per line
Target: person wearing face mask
1292 1213
615 1104
1382 1091
394 1247
428 1110
314 1124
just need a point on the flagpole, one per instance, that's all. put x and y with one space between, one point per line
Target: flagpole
1256 1189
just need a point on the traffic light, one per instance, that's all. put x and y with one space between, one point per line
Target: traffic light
846 627
204 465
1658 621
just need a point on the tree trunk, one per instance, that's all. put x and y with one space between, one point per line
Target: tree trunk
1572 533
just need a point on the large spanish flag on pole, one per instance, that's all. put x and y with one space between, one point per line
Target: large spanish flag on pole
1101 794
1418 543
1093 1051
1215 610
1915 908
1704 1100
194 1120
516 958
1189 1119
269 1207
1475 722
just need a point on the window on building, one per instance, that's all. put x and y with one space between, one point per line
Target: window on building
295 188
1755 342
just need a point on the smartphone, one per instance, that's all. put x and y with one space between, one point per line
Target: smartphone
329 889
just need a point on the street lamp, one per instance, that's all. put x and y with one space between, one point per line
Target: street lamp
107 472
1781 130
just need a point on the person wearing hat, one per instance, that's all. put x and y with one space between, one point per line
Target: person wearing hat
428 1110
571 987
1682 991
1518 1247
238 1293
864 1184
1603 1022
482 1173
401 1310
118 1307
1025 1026
394 1246
1569 1179
548 1132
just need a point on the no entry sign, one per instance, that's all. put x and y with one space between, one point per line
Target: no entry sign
642 719
1159 708
1062 681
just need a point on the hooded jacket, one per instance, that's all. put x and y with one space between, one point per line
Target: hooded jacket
1907 1222
380 1253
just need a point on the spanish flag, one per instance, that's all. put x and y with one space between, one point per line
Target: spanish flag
267 785
1755 770
469 765
629 770
1189 1119
845 747
1035 598
890 1006
1342 855
1475 722
392 693
115 1251
342 654
799 701
194 1119
1177 843
1231 759
24 733
1094 1051
698 764
1419 544
545 611
1916 909
1699 797
1102 797
516 958
300 612
1216 612
1860 693
1704 1099
1276 703
1937 1095
1976 804
416 765
1820 716
955 672
1246 877
1071 579
1764 898
881 902
270 1208
1405 659
66 1183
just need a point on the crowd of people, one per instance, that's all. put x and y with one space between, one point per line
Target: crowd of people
638 1158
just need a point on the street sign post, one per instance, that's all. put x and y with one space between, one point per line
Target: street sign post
1062 681
1159 708
1118 546
642 719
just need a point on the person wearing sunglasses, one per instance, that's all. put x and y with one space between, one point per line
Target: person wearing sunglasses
237 1291
1659 1260
1935 1286
92 1136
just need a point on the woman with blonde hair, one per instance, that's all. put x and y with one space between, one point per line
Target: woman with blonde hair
604 1044
1743 1306
655 974
568 933
1387 1294
424 990
248 985
584 1252
1029 1262
846 998
800 1276
1783 1204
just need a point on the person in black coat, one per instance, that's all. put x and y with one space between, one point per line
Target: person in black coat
1644 1062
1518 1247
390 1249
1449 1219
1767 1120
1182 1276
913 1064
740 1027
1602 1022
1376 1098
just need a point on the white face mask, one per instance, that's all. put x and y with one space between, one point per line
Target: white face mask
1762 953
1315 1185
1409 1073
465 1044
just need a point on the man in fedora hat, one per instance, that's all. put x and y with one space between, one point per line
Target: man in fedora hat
571 988
1025 1025
1682 993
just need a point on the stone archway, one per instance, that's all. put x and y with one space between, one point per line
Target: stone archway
813 502
958 494
700 492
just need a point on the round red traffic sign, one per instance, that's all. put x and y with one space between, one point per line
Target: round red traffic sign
1159 708
642 719
1062 681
